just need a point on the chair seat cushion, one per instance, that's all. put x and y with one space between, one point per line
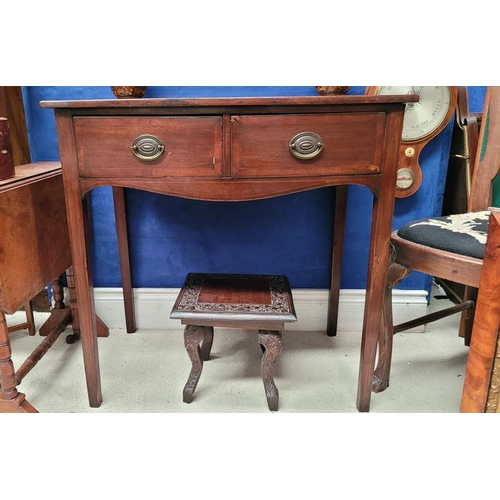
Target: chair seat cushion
464 234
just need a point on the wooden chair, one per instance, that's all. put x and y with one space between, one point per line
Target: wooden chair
449 247
457 191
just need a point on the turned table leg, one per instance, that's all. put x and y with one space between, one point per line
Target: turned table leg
11 400
272 341
193 336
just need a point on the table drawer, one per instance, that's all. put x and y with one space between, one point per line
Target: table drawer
350 144
187 146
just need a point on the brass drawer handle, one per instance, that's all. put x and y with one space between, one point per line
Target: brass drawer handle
147 147
306 145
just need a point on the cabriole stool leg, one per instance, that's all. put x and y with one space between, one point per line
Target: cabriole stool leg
272 340
193 336
206 345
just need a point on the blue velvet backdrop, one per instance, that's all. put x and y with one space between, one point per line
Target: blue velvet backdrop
288 235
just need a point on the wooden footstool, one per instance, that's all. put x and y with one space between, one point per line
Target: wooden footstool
247 301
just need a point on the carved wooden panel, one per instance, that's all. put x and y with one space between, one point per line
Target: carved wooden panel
235 296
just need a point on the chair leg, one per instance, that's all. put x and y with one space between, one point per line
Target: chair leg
272 340
385 340
193 336
395 274
467 317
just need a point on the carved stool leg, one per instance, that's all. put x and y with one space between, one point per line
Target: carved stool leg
193 336
272 340
206 345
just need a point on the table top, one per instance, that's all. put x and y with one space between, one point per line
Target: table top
32 172
232 101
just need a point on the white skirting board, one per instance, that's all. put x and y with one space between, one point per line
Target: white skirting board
153 306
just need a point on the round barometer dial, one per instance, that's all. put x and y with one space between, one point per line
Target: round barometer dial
423 120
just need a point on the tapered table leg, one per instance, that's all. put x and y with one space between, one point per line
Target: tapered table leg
378 262
338 249
123 249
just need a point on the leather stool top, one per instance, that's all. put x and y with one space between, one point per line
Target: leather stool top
234 297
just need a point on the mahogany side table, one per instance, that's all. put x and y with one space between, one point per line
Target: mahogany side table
235 149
